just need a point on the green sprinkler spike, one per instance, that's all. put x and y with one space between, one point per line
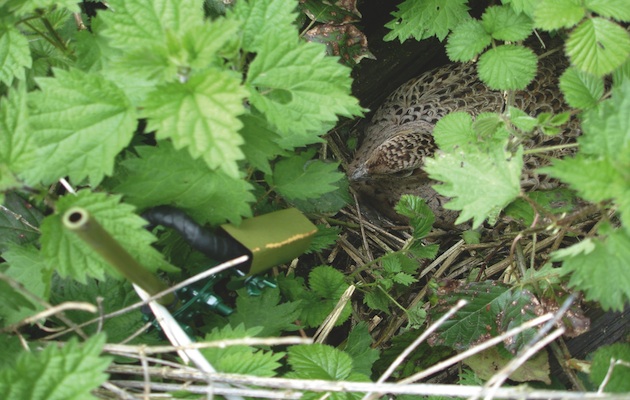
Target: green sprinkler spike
274 238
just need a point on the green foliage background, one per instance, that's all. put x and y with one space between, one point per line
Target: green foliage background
220 114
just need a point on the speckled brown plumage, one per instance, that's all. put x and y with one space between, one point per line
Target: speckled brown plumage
390 159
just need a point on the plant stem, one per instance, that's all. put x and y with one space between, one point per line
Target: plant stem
79 221
550 148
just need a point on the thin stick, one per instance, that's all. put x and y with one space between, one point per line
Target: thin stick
388 372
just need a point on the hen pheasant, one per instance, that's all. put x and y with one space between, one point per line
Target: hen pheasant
390 159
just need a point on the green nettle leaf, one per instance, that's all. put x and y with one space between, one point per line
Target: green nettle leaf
14 54
359 348
555 14
454 131
111 295
581 89
521 119
291 81
145 23
69 372
80 122
420 215
426 18
163 175
480 184
503 23
377 300
260 142
619 380
265 311
598 46
599 268
299 177
507 67
73 257
262 19
244 360
616 9
467 40
12 301
319 361
15 140
202 116
493 308
21 230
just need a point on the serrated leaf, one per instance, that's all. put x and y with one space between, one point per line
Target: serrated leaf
262 19
503 23
260 142
294 81
28 267
266 312
600 270
74 258
327 286
507 67
13 300
201 115
479 184
467 40
492 309
110 295
244 360
598 46
454 130
22 7
581 89
359 348
163 175
524 6
403 279
426 18
80 122
616 9
145 23
15 218
299 177
319 361
70 372
421 217
14 54
555 14
619 380
325 238
521 119
377 300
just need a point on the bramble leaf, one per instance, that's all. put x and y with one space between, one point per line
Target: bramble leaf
480 184
503 23
420 215
555 14
15 141
524 6
19 221
245 360
69 372
507 67
14 54
266 312
493 308
293 81
619 380
359 348
599 268
73 257
260 142
598 46
319 361
426 18
467 40
327 286
454 130
616 9
581 89
299 177
80 122
202 116
163 175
